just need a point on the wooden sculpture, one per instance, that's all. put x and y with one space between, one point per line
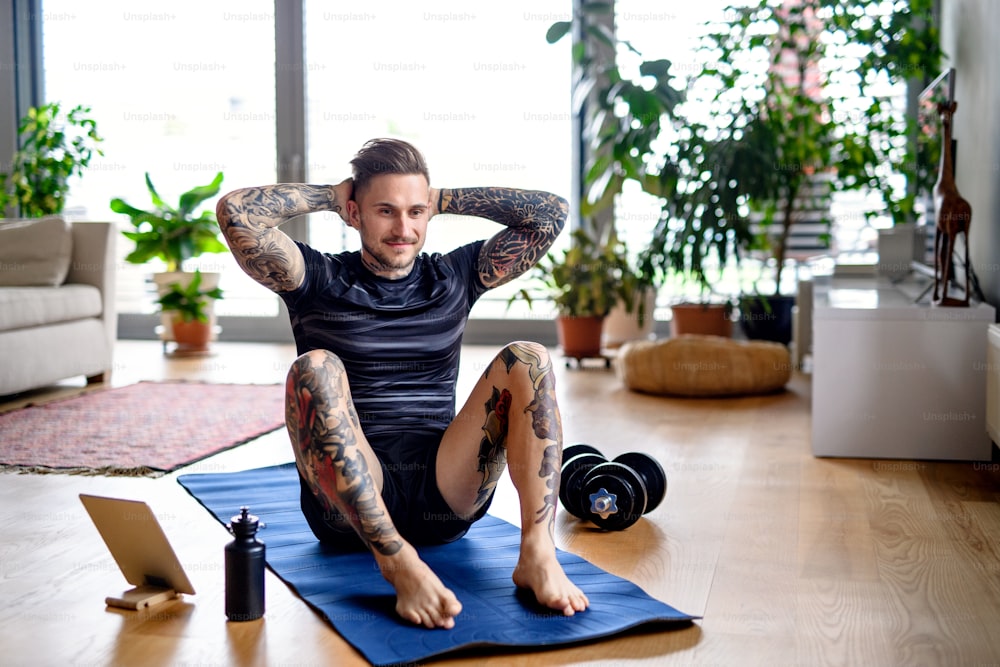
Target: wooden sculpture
953 217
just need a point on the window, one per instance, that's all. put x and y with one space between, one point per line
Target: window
181 90
185 89
474 86
671 31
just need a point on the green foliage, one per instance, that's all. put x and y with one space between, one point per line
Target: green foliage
54 147
900 42
589 278
775 124
189 302
621 118
173 234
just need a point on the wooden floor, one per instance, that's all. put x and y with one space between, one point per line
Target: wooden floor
791 560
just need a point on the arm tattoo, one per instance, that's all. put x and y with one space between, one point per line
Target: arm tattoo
533 220
249 219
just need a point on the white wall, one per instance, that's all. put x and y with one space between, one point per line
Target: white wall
970 30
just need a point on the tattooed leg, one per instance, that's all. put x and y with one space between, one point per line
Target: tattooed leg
522 429
341 469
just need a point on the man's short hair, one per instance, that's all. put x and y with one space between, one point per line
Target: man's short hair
386 156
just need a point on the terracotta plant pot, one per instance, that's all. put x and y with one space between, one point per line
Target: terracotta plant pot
710 319
163 281
580 337
191 336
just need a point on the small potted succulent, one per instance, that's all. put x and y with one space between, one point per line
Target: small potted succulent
187 306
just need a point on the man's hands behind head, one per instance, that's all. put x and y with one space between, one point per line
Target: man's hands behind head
342 193
435 196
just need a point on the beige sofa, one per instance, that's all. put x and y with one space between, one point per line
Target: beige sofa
57 302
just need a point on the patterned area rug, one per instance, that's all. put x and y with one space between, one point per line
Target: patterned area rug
144 429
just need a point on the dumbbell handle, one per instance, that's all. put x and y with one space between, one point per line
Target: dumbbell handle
603 503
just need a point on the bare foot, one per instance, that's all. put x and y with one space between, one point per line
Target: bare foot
421 598
538 571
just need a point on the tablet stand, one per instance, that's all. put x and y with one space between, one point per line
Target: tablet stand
141 597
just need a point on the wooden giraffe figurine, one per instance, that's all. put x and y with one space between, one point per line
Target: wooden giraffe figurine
953 217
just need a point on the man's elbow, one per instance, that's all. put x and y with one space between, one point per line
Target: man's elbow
223 210
561 215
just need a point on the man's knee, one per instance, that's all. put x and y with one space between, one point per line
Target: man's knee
530 347
529 363
307 365
527 358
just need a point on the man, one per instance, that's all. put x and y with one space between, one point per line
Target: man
370 403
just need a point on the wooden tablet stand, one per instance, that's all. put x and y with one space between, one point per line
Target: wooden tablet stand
141 597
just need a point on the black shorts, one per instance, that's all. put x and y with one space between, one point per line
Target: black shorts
410 491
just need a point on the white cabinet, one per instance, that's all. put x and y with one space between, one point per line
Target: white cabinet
895 379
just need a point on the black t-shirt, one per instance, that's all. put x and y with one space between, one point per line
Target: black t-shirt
399 340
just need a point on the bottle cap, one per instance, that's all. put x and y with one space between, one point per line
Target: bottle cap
244 523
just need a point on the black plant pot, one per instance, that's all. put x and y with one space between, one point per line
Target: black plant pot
767 318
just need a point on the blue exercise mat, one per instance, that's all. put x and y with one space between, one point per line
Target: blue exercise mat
348 590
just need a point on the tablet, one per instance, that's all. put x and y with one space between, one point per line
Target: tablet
141 549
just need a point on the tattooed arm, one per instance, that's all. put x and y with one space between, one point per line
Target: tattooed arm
533 220
249 220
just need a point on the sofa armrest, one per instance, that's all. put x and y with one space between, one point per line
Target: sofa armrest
93 263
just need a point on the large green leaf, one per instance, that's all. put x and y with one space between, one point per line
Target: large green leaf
557 31
195 196
155 196
173 234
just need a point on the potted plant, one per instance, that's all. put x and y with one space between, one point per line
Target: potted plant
736 183
583 284
620 119
187 306
758 168
745 168
174 234
55 146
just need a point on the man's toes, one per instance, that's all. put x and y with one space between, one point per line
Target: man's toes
453 608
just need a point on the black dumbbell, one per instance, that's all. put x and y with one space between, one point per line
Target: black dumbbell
611 494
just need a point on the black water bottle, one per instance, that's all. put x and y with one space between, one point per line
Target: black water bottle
244 569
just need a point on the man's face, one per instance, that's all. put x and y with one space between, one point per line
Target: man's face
391 215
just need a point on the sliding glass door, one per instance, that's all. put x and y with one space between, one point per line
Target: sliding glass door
185 89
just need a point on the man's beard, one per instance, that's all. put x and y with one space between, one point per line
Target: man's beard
388 261
385 259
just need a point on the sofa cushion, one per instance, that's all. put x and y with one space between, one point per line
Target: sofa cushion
35 252
23 307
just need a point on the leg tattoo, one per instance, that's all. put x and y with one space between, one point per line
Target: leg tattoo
493 446
545 420
324 425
